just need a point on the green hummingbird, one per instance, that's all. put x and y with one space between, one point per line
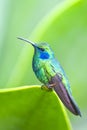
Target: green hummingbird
49 71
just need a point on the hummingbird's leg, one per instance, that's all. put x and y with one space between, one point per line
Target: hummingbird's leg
46 87
52 85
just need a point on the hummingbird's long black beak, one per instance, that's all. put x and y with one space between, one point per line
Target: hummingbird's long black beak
28 41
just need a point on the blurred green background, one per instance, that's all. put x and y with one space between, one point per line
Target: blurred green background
62 24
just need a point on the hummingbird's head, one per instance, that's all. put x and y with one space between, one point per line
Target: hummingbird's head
42 50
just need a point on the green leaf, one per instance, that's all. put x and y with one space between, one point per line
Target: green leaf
30 108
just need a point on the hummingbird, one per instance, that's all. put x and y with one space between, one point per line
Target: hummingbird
49 72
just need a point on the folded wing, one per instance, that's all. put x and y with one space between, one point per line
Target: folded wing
63 94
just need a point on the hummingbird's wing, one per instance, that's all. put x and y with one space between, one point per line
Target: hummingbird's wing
63 94
62 90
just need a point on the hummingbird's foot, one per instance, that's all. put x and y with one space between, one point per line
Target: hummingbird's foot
47 88
51 85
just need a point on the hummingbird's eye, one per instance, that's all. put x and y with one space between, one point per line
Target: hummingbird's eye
42 49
